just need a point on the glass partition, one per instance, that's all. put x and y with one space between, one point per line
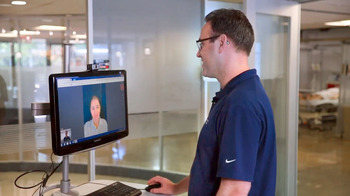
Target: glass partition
343 123
155 44
150 39
272 54
28 55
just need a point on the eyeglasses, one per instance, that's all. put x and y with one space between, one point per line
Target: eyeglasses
200 44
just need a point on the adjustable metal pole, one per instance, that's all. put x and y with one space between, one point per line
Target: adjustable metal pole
65 182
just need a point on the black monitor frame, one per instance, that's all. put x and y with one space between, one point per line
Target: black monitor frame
90 143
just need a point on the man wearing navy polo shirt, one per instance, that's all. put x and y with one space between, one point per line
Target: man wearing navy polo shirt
236 150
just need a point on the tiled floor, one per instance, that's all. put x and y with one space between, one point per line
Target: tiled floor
323 163
323 159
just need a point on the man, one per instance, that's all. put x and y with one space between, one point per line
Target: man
66 137
236 150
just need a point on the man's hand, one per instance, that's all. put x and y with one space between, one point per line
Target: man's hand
168 187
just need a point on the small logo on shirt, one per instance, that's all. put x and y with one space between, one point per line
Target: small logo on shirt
230 161
206 122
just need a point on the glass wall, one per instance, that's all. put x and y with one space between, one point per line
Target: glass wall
150 39
272 52
156 45
28 55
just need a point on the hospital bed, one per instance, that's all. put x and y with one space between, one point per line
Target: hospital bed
318 109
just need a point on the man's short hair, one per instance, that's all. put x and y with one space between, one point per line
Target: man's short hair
234 24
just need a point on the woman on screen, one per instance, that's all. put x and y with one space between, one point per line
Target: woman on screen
97 124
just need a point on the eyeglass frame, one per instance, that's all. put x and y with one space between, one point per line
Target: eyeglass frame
199 42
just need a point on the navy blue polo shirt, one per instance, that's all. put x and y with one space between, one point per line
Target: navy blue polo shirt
237 140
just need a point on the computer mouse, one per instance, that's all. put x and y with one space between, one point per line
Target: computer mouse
152 186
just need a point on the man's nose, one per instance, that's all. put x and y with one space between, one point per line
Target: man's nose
198 54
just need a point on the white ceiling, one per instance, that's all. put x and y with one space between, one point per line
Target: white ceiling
43 7
313 14
69 13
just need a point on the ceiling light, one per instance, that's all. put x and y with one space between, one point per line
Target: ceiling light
339 23
76 41
50 28
78 36
147 51
8 35
18 2
25 32
14 33
11 34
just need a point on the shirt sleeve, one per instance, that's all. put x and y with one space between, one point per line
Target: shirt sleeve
239 132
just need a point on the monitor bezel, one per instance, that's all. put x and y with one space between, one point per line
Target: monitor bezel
55 121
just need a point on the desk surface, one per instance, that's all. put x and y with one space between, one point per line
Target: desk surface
92 186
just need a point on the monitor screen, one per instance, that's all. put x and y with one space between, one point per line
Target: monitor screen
88 110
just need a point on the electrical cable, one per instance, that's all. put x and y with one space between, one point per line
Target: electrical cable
42 184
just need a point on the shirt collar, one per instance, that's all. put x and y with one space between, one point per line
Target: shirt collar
233 83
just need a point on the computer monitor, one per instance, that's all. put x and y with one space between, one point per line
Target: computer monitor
88 110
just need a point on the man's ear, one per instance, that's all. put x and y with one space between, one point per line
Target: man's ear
224 42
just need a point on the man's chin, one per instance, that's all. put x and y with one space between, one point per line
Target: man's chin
206 75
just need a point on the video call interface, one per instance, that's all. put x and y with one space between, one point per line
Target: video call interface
90 107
